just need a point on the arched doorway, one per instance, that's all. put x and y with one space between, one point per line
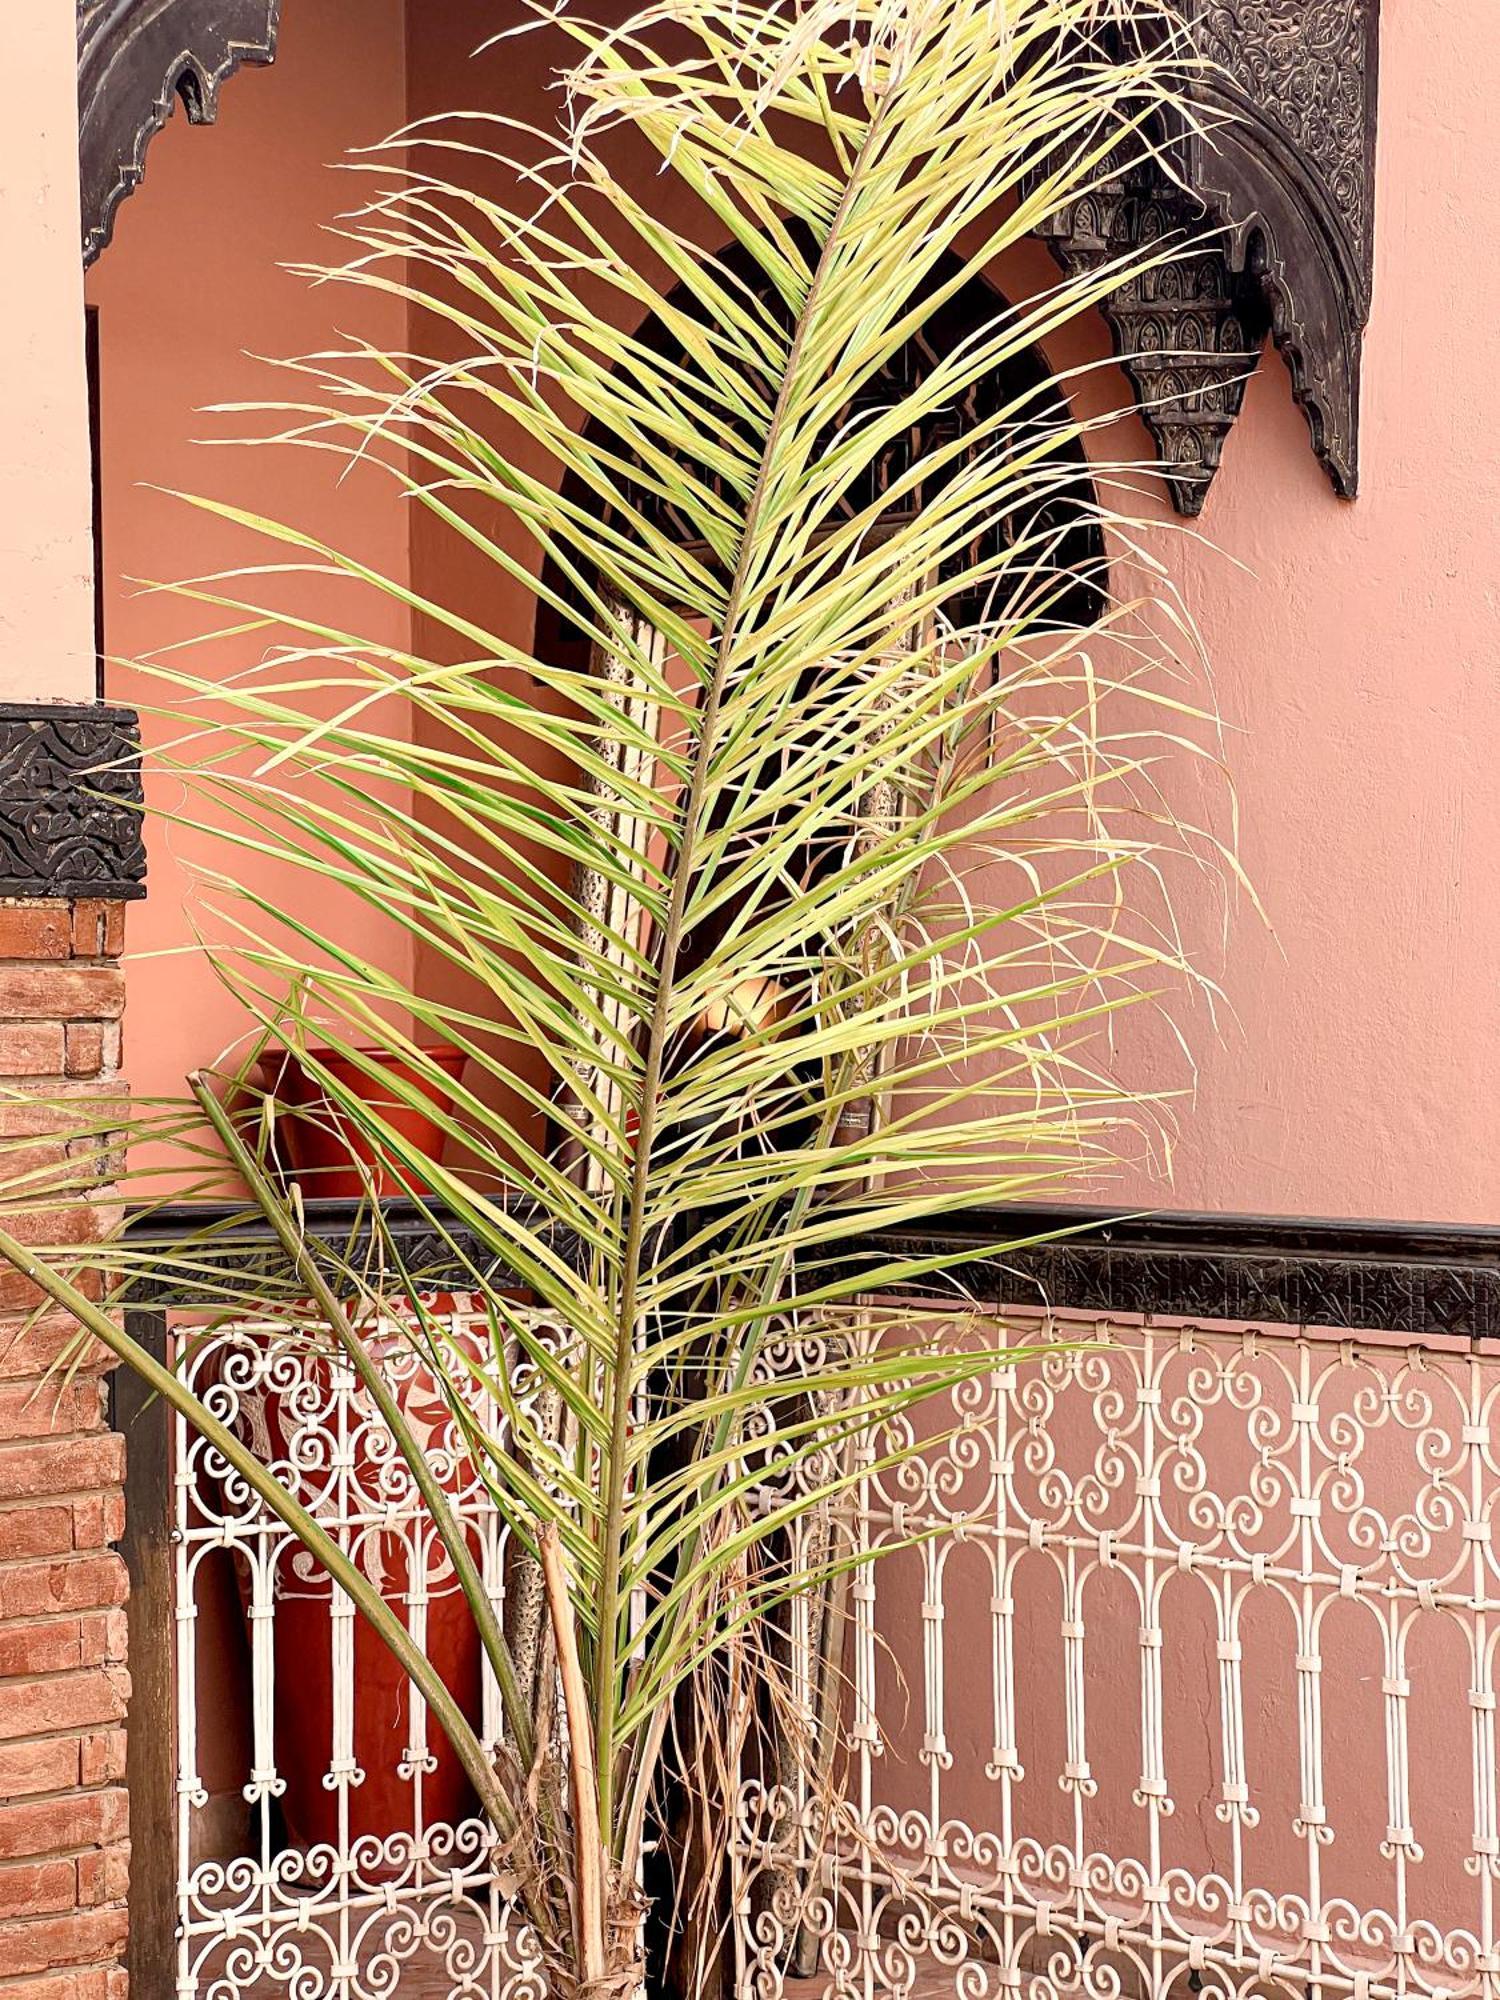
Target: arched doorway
1065 523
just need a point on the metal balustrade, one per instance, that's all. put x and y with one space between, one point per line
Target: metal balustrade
1175 1672
328 1903
1194 1692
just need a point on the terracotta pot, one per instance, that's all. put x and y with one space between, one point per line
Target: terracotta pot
324 1149
385 1802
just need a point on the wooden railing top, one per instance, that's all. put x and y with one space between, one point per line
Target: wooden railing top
1421 1279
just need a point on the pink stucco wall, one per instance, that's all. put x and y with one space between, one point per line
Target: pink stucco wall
189 289
1358 665
192 287
46 554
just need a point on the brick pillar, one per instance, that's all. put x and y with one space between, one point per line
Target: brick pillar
69 831
64 1828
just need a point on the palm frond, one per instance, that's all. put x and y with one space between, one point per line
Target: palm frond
845 739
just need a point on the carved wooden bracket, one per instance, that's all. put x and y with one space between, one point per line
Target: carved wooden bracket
70 801
1280 181
134 58
1282 173
1291 174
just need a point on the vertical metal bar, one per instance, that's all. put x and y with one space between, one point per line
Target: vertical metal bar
865 1729
150 1771
1311 1823
1235 1809
343 1770
1485 1857
1007 1756
1152 1793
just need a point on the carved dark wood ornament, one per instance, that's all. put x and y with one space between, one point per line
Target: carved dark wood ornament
135 58
70 802
1409 1278
1291 175
1278 182
1187 331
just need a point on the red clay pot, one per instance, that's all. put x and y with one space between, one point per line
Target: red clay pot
385 1801
324 1149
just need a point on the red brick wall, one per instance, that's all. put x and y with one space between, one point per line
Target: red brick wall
64 1829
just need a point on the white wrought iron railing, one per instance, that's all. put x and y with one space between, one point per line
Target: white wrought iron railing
1194 1692
360 1867
1176 1673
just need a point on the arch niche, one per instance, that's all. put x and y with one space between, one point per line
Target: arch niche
1067 518
1063 568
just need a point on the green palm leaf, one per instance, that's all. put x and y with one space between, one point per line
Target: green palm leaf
846 739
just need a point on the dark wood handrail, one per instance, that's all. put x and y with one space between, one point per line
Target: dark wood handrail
1422 1279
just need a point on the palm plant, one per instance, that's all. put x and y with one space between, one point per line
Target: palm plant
708 908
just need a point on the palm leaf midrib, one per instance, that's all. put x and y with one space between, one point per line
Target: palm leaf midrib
664 966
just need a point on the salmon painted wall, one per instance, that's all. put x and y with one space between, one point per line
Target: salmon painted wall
1354 646
189 290
1358 660
46 560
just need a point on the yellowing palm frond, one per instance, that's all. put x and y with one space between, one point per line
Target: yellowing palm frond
866 729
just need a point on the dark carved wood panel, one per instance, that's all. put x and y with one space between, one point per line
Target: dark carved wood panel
1423 1298
1415 1279
1187 331
1290 172
135 59
70 802
1277 180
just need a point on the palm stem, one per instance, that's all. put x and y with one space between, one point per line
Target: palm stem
655 1057
588 1849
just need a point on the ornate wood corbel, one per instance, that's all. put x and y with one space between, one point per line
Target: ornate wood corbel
70 802
1276 176
1289 169
1187 331
134 58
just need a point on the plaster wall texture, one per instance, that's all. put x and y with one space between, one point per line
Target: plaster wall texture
1353 646
193 288
46 509
1357 669
1357 657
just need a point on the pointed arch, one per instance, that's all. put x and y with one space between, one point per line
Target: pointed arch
1025 385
